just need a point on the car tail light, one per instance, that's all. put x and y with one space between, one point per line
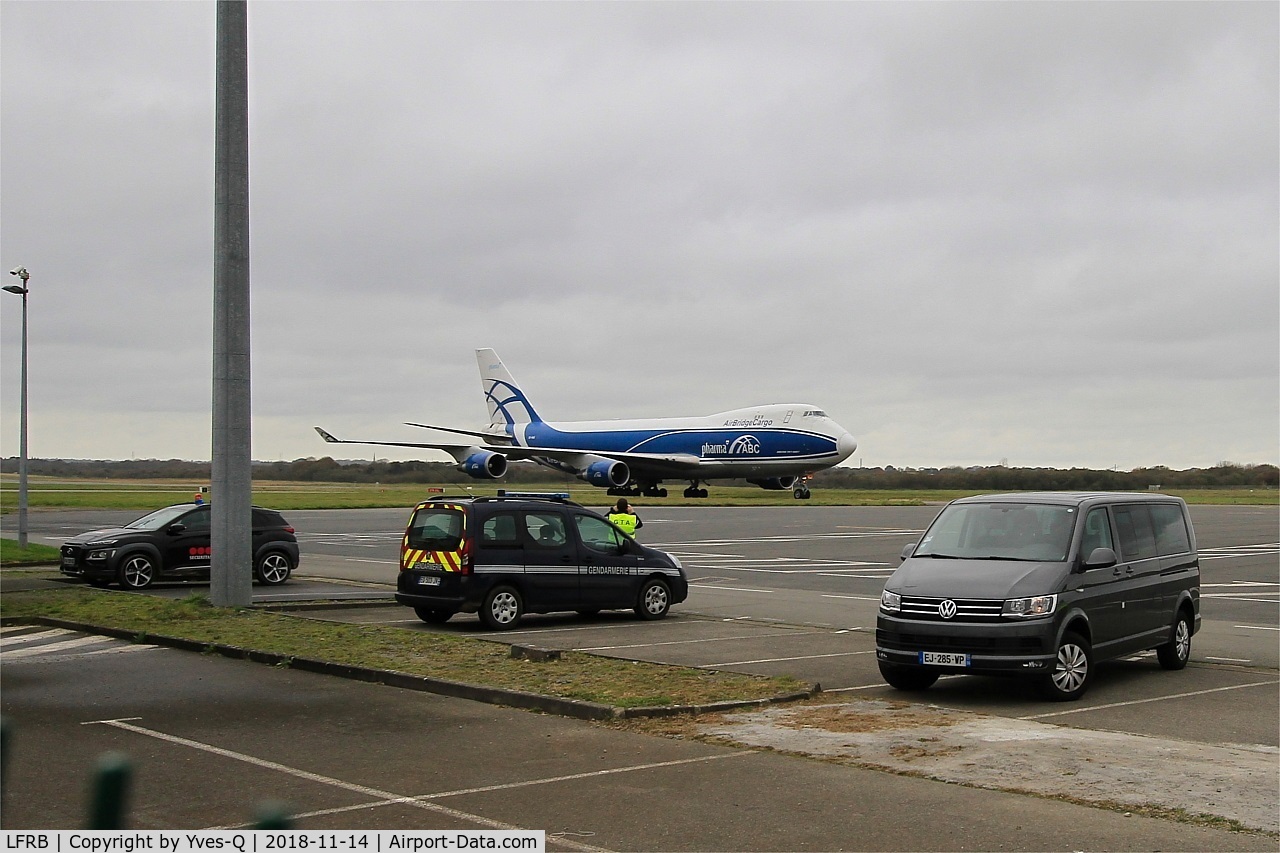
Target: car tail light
464 556
288 529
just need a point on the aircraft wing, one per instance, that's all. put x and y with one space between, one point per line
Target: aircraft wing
489 436
677 462
672 463
446 447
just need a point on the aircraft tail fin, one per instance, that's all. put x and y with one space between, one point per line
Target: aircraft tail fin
507 403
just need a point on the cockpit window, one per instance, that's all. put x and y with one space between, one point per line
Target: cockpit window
815 413
1000 531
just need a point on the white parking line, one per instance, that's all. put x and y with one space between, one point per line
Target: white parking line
1155 699
57 658
732 588
703 640
22 639
385 798
782 660
10 654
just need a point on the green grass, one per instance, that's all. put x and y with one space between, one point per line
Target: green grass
146 495
576 675
33 555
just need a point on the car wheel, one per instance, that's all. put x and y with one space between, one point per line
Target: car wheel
1175 653
907 677
273 568
654 600
502 608
1072 670
433 616
137 572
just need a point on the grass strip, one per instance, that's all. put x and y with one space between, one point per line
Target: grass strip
33 555
577 676
146 495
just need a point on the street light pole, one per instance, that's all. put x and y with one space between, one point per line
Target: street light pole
21 272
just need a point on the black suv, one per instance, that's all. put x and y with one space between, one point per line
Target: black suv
173 543
517 553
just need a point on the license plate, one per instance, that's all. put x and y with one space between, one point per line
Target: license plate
428 580
68 561
944 659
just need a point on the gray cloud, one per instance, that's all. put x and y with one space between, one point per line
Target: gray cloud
1042 232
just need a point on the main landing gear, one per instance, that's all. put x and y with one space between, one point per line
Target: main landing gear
647 490
694 492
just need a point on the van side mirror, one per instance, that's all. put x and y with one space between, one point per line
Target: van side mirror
907 552
1101 558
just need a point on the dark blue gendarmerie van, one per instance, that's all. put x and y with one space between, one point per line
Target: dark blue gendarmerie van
518 553
1044 586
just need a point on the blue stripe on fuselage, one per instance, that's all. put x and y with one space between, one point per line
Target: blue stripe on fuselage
767 444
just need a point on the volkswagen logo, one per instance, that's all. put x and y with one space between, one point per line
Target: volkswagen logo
947 609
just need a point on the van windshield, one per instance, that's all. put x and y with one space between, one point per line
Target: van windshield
436 529
1000 531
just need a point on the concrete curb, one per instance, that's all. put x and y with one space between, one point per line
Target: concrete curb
458 689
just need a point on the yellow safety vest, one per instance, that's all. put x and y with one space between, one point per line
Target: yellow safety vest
624 521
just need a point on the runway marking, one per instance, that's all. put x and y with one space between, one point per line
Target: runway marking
386 798
1228 660
1155 699
854 597
1257 627
782 660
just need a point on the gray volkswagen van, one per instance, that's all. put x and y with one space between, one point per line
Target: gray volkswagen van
1042 585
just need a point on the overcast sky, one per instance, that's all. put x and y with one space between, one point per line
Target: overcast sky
1038 233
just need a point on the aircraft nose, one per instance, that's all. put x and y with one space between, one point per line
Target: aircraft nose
845 445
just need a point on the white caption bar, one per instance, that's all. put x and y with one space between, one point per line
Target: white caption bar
271 841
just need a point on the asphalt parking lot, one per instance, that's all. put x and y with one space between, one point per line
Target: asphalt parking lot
210 738
799 600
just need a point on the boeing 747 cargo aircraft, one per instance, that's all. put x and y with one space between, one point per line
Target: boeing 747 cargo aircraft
775 446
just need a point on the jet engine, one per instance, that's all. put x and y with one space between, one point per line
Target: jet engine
485 465
776 484
605 472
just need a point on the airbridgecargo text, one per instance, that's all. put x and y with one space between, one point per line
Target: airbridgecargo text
265 841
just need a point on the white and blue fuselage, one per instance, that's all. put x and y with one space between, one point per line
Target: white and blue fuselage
762 442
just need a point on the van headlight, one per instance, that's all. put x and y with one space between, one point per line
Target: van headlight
890 602
1026 608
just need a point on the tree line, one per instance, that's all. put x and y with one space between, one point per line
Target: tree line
993 478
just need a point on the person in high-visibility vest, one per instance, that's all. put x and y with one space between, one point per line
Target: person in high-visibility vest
624 517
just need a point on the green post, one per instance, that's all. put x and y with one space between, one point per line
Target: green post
110 789
272 815
4 751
